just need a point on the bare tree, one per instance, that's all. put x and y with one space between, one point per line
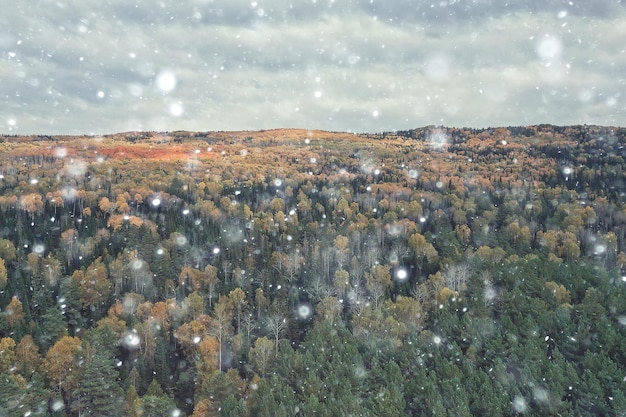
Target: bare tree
248 324
220 324
372 254
326 256
377 292
320 289
357 300
227 268
277 324
456 276
294 262
420 293
401 251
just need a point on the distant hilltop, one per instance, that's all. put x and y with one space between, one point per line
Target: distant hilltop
420 133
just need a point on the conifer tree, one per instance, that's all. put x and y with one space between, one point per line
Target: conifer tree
99 392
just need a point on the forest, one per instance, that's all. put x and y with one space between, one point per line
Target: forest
429 272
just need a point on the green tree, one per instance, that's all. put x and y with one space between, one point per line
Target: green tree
386 398
233 408
156 403
99 392
53 326
216 386
273 397
19 399
132 403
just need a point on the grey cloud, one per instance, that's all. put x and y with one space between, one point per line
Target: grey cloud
360 66
478 10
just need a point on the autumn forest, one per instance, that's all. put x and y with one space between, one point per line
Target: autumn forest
428 272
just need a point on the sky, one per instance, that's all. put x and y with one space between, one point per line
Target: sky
109 66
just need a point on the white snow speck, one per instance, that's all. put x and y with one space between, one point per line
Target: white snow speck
304 311
57 405
549 48
60 152
599 249
166 81
402 274
176 109
131 340
519 404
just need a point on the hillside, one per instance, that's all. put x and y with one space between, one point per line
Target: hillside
435 271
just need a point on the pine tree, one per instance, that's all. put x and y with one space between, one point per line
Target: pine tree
273 398
53 326
161 367
99 393
386 397
132 403
19 399
156 403
233 408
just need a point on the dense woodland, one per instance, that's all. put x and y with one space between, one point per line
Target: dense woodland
435 272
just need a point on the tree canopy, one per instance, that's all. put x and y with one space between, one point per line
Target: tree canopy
294 272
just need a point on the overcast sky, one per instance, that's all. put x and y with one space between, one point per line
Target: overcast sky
105 66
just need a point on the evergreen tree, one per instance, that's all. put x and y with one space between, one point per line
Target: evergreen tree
132 403
233 408
69 302
19 398
161 368
156 403
273 398
53 327
99 392
386 398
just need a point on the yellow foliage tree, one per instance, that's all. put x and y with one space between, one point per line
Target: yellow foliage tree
3 274
14 314
7 355
27 358
62 365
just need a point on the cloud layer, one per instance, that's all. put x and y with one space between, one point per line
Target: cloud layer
102 67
